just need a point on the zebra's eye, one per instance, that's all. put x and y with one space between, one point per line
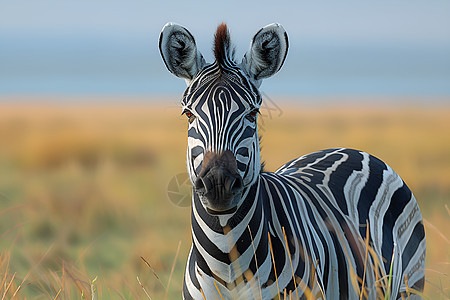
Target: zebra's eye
252 115
189 114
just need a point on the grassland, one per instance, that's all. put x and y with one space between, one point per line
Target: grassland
83 187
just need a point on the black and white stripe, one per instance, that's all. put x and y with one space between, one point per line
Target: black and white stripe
220 121
315 209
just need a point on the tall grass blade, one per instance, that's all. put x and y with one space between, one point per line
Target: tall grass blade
93 289
57 295
366 242
173 269
203 294
256 262
154 273
104 280
353 275
273 261
143 288
309 293
387 296
9 286
217 288
4 258
290 260
64 280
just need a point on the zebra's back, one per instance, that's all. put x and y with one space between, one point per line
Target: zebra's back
341 192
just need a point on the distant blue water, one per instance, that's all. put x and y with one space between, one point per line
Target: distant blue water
134 67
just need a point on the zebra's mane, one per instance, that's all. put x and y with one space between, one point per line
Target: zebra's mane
223 50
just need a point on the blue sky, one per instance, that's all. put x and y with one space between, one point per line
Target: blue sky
410 20
94 46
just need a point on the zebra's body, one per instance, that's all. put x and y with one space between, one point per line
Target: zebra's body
310 217
325 224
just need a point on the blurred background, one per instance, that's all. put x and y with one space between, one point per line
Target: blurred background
92 144
110 47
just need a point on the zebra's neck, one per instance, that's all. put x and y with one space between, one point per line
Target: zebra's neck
230 247
235 256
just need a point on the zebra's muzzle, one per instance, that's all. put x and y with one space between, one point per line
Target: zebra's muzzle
219 185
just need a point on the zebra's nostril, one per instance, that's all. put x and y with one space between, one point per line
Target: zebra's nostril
236 185
218 185
204 184
199 184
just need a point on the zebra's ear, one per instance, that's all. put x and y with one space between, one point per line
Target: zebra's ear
267 52
179 51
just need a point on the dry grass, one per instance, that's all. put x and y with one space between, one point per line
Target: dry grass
83 189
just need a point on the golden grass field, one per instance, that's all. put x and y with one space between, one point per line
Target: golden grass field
83 187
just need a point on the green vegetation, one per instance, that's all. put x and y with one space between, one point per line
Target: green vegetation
83 190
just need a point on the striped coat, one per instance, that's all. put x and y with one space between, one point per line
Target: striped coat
337 223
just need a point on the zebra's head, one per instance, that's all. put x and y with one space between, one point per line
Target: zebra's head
221 103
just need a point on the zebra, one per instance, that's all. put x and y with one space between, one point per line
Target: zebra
337 223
